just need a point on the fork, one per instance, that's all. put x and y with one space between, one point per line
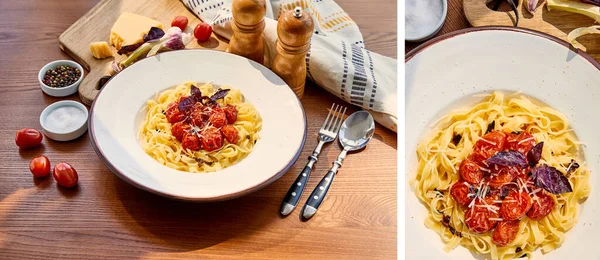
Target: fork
327 133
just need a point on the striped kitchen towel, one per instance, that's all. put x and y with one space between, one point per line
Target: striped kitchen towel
337 60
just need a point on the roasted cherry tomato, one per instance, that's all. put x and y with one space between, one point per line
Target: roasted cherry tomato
461 192
480 219
217 117
515 205
489 144
28 138
505 232
178 129
180 21
522 142
231 134
211 139
541 206
173 115
202 32
190 141
40 166
65 175
493 198
501 175
470 171
524 177
197 117
230 113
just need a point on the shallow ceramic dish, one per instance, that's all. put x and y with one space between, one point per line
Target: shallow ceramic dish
117 114
445 73
64 91
66 135
426 34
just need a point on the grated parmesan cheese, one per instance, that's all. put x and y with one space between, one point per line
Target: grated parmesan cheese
487 141
526 140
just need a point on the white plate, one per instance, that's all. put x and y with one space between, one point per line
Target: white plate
116 119
443 75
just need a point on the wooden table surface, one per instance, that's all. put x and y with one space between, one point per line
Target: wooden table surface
106 218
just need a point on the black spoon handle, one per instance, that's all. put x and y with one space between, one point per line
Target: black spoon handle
293 195
317 195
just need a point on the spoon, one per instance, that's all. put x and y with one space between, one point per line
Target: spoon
356 131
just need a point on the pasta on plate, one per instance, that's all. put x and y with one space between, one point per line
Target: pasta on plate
502 178
199 129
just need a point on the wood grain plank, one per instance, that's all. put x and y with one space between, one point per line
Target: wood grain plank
106 218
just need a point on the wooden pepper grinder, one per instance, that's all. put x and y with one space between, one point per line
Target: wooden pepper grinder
248 25
294 30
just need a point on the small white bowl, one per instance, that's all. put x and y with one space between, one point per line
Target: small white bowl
65 135
425 35
64 91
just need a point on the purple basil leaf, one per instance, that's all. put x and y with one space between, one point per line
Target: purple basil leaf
509 158
154 34
535 154
129 48
551 179
196 93
186 104
221 93
573 165
592 2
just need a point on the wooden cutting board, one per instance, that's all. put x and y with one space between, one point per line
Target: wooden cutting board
95 25
557 23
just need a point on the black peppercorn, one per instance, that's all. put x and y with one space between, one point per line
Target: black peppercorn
61 76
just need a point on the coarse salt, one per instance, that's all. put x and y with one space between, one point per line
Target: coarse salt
65 119
422 16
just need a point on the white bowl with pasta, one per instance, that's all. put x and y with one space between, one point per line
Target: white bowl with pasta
496 65
132 135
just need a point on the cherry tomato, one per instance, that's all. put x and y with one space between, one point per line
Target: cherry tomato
28 138
470 171
180 21
542 206
460 191
178 129
493 143
190 141
505 232
197 117
202 32
211 139
493 198
40 166
501 175
231 134
217 117
65 175
173 115
480 219
522 142
525 178
230 113
515 205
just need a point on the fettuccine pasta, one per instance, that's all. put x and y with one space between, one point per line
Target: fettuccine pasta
440 156
158 142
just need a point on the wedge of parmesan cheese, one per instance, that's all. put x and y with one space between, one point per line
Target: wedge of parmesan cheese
130 28
100 50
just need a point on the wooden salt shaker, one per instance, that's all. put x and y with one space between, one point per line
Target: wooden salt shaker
248 25
294 30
